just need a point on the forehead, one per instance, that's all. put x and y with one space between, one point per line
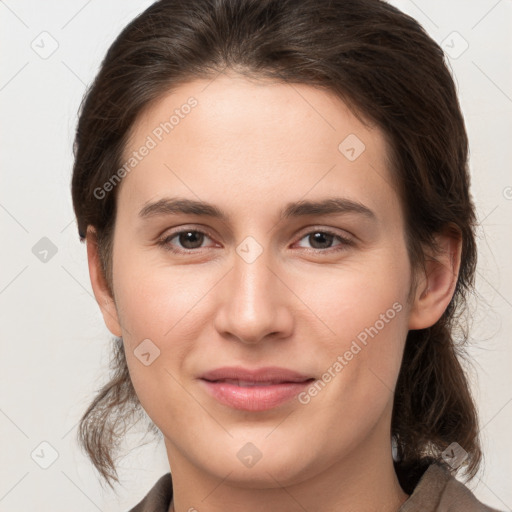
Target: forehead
254 139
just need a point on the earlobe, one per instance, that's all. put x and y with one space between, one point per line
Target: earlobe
437 286
99 285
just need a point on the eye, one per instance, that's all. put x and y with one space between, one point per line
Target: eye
189 239
321 240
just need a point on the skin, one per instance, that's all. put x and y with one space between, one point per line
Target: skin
250 147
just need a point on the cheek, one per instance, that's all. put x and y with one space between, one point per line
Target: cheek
360 294
157 313
360 365
155 300
366 311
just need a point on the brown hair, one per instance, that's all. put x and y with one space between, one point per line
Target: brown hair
391 73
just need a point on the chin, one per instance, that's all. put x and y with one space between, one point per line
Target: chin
263 464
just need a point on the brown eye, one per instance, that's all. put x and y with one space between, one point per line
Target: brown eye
322 241
190 239
185 240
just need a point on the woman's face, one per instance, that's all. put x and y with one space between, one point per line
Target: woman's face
277 282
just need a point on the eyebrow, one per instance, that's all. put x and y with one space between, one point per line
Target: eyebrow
328 206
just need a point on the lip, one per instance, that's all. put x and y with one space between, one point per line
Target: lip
273 374
254 389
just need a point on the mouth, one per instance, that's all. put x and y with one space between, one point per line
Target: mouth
254 390
252 383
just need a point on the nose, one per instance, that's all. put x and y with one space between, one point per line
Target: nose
254 303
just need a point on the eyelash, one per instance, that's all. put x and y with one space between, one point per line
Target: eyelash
165 241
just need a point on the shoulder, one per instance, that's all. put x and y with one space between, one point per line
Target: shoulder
158 498
439 491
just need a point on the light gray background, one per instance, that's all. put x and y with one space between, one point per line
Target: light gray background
54 344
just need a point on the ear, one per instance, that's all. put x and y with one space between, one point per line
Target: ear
436 288
99 285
